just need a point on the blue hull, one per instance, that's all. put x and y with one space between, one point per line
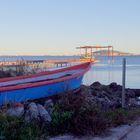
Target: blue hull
22 95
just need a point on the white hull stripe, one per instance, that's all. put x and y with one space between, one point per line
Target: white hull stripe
40 78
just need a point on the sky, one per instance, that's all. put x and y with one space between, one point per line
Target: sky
57 27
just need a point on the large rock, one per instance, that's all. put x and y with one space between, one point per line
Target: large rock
15 111
133 102
96 86
114 87
130 93
102 96
137 92
32 113
117 94
109 96
43 113
49 106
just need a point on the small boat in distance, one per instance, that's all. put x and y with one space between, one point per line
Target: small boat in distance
42 85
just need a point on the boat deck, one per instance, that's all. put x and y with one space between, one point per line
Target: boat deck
37 63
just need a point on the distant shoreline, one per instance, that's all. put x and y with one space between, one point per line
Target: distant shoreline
123 55
59 55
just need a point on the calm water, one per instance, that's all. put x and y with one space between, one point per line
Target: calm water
107 73
101 71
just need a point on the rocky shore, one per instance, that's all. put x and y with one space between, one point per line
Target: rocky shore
109 96
90 111
105 96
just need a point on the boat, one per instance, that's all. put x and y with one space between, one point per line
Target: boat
42 85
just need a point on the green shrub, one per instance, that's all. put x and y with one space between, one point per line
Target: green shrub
121 116
61 123
12 128
116 117
85 119
89 118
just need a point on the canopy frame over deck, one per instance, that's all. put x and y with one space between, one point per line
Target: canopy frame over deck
90 49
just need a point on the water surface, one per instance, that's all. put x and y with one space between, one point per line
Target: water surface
107 73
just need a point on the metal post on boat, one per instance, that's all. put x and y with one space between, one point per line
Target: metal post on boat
123 82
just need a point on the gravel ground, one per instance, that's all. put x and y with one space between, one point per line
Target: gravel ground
134 134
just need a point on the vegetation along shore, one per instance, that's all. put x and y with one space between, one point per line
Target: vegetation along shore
91 111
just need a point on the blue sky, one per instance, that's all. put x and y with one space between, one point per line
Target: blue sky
50 27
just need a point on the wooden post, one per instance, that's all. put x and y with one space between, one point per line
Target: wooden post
112 55
80 53
91 54
123 82
108 55
85 52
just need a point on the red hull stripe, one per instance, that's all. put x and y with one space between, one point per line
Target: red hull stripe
80 66
84 66
40 78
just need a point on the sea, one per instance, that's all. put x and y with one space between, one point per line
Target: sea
105 70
